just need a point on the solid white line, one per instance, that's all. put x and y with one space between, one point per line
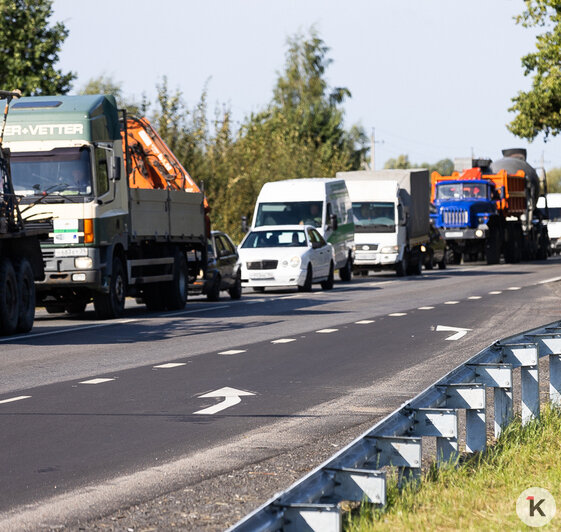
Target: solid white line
171 365
495 292
364 322
425 308
327 331
96 381
283 341
397 314
19 398
451 302
552 280
233 352
474 297
514 288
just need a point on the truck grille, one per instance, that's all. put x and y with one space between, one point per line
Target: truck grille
262 265
455 217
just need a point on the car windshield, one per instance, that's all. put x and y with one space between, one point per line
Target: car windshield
461 191
275 239
370 216
60 172
290 213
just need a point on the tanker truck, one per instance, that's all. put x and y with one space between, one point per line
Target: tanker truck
125 214
490 210
21 263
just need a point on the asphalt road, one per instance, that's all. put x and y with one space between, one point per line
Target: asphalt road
98 415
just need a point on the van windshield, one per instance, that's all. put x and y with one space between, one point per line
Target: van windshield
555 213
290 213
59 172
374 216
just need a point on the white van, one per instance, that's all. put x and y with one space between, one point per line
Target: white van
321 202
554 222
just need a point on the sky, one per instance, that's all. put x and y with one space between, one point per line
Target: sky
432 78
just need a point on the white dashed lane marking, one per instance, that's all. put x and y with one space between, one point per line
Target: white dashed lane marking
283 340
364 322
233 352
13 399
96 381
451 302
495 292
474 297
514 288
327 331
170 365
397 314
425 308
552 280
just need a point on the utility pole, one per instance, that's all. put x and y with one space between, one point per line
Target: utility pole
373 143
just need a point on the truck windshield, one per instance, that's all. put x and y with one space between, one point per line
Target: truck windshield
275 239
374 217
62 172
555 213
447 191
290 213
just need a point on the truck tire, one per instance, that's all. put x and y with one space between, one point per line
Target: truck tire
493 246
442 263
513 247
26 288
175 292
9 297
346 272
112 305
402 267
415 268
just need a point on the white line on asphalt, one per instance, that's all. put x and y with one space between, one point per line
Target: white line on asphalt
364 322
474 297
11 400
171 365
233 352
451 302
193 311
283 341
495 292
552 280
96 381
254 301
327 331
397 314
514 288
296 296
425 308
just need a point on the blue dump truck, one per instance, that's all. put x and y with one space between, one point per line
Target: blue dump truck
490 210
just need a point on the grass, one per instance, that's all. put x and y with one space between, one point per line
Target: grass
481 492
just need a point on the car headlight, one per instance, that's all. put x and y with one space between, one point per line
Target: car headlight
295 262
389 249
83 263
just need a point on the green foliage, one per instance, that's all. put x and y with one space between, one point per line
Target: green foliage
30 48
554 180
443 167
401 162
538 110
107 85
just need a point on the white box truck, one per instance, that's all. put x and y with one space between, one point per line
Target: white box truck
554 221
321 202
391 216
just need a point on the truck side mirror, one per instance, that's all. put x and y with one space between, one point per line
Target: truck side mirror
114 168
503 193
333 222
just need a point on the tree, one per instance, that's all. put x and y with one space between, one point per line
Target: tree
538 109
30 48
554 180
443 167
107 85
401 162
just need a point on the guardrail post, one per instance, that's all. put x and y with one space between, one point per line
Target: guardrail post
359 485
549 344
310 517
442 423
525 355
471 397
499 377
402 452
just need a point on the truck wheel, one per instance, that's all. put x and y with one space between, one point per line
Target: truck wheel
328 284
442 263
214 293
26 287
236 290
346 272
415 268
493 247
401 268
429 263
112 305
176 290
307 286
9 297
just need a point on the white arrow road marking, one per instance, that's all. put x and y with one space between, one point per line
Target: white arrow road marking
460 331
231 398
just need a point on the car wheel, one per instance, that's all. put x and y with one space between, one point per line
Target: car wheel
236 290
214 293
328 284
346 272
307 286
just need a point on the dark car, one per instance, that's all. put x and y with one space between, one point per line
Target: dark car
436 250
223 270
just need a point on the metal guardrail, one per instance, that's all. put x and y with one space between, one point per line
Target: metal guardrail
354 473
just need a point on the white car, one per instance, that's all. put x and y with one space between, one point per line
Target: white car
287 255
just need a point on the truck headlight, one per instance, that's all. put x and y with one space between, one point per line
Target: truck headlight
295 262
478 233
83 263
389 249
